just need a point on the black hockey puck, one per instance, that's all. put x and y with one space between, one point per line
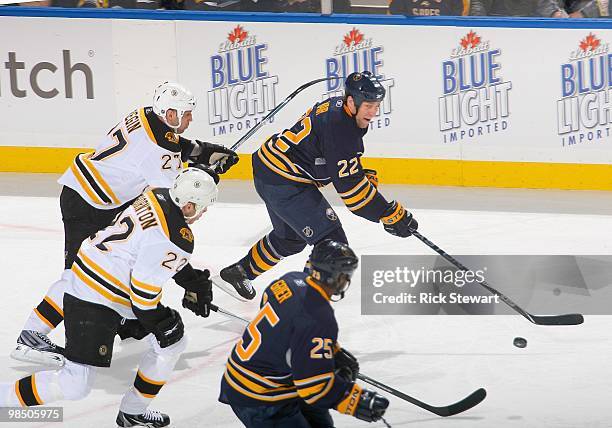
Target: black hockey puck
520 342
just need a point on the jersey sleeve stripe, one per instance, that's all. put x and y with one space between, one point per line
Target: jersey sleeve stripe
144 295
103 273
314 388
146 303
281 156
355 188
159 212
84 184
146 126
366 201
99 280
359 196
145 286
91 167
280 170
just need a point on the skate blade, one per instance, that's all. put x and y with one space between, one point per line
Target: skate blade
227 288
29 355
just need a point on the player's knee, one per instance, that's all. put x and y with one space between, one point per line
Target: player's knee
76 380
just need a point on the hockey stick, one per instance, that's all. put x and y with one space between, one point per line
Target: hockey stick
228 314
272 113
567 319
460 406
276 109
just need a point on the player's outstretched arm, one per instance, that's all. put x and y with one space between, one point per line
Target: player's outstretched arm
202 152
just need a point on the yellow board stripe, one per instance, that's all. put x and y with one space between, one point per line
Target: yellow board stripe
438 172
158 210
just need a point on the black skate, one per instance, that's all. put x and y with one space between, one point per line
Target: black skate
35 347
148 419
234 281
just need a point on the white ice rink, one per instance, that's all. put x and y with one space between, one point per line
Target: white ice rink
562 379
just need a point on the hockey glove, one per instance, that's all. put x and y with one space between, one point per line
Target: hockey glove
372 176
346 365
209 153
131 329
397 221
363 404
169 330
198 302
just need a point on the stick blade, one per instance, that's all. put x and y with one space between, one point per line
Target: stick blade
461 406
567 319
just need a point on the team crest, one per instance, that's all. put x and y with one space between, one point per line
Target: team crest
103 350
186 234
308 232
331 214
172 137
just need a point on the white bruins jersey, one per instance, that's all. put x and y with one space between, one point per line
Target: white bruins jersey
127 264
140 151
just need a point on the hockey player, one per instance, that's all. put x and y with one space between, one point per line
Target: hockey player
143 150
287 370
119 273
324 146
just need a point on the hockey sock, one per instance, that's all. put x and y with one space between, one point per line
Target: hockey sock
261 257
49 313
154 369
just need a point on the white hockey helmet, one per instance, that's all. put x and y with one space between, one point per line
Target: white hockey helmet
171 95
196 186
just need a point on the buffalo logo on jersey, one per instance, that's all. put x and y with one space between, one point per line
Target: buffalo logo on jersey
172 137
186 234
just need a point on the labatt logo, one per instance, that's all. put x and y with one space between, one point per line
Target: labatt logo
242 89
475 97
584 112
358 53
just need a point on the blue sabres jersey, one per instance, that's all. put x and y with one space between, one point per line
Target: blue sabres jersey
324 146
286 352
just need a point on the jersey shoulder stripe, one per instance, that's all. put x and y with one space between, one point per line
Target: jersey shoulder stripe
172 220
160 133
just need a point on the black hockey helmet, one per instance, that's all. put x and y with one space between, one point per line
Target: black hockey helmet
332 263
364 86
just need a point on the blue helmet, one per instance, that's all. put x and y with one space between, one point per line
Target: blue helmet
364 86
332 263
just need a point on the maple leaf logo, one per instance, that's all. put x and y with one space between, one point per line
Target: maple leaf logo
237 35
354 36
471 40
590 43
